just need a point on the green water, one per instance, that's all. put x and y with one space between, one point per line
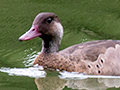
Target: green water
83 20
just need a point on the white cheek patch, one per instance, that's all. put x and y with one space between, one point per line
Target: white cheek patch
59 29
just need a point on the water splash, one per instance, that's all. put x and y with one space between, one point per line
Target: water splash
29 59
36 71
76 75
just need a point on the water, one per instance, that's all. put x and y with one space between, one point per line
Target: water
83 20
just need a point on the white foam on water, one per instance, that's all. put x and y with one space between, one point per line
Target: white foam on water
76 75
30 58
36 72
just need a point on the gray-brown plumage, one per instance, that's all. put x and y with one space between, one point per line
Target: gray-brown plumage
79 58
108 63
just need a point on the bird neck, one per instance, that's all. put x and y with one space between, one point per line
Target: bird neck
51 45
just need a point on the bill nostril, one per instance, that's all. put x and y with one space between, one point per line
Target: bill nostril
33 29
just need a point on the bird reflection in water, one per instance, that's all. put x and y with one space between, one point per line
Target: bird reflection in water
55 83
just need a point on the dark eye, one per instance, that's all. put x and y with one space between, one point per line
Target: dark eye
49 20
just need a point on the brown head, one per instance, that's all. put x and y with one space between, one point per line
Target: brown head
45 25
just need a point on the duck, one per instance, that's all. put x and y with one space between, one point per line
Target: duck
92 57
